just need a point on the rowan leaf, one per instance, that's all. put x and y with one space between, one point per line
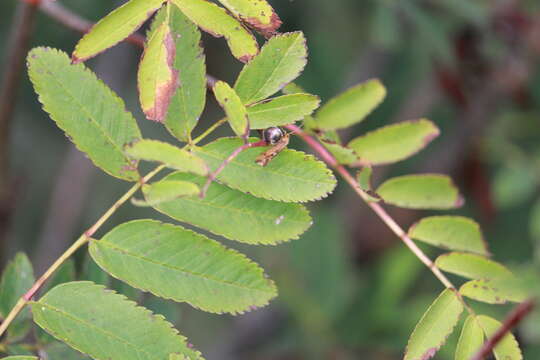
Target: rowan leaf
434 327
364 180
187 102
164 191
92 116
281 110
167 154
394 143
237 216
235 110
114 28
486 290
280 61
179 264
157 78
292 176
450 232
105 325
17 279
508 347
425 191
215 21
342 154
470 340
471 266
351 106
257 14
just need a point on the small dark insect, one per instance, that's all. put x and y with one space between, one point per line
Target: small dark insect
279 140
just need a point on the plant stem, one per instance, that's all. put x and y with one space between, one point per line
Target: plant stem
209 130
511 322
378 209
81 241
84 238
212 176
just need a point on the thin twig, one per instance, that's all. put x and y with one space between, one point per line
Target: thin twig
515 317
19 39
81 241
385 217
212 176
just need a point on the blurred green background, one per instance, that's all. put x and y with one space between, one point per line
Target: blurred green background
348 288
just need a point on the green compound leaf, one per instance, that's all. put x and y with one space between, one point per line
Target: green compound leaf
235 110
508 347
488 291
394 143
17 279
157 78
215 21
167 154
238 216
292 176
351 106
188 101
90 114
257 14
450 232
20 358
425 191
179 264
281 110
114 28
434 327
105 325
470 340
281 60
471 266
164 191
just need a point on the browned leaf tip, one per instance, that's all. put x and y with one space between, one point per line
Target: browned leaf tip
267 30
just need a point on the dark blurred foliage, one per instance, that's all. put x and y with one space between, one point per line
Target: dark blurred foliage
348 288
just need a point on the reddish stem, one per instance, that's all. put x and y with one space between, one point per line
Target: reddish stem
212 176
515 317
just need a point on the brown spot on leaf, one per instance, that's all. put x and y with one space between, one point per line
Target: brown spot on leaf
165 91
430 137
267 30
429 353
246 58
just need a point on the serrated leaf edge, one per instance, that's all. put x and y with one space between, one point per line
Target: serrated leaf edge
113 95
237 254
128 302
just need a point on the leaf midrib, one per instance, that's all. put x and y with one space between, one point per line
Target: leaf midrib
182 270
258 169
238 210
90 325
91 117
274 70
120 29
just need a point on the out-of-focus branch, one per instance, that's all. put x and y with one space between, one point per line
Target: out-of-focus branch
19 39
73 21
515 317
